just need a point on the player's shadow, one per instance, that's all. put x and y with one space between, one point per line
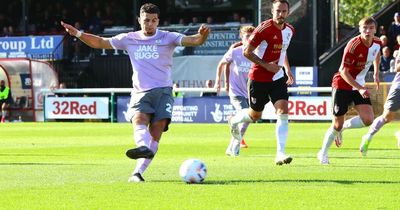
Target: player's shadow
47 164
283 181
344 182
27 154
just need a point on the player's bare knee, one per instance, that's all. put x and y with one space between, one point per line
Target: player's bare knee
255 116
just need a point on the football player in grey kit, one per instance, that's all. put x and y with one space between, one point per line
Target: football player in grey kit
150 51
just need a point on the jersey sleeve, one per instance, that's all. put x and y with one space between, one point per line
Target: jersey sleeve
228 56
348 56
257 37
118 41
176 38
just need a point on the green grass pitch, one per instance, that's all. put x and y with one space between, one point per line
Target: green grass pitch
83 166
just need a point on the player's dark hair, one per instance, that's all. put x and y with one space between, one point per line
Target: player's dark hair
150 8
281 1
367 21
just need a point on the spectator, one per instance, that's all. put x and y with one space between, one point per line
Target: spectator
382 31
394 29
384 40
236 17
195 21
108 18
397 43
392 62
5 99
210 20
94 24
384 66
243 20
209 84
77 44
182 21
62 85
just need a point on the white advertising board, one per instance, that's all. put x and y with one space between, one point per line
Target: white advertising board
76 108
304 108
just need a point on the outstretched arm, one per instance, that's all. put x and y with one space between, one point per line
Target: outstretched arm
91 40
197 39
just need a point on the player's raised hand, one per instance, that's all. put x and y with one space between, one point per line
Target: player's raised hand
204 30
70 29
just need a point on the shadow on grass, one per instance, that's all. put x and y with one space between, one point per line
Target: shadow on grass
20 154
47 164
236 182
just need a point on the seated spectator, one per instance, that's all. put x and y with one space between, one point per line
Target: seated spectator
384 39
195 21
209 84
384 66
392 62
243 20
182 21
210 20
108 18
235 17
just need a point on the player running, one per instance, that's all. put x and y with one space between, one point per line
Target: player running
348 85
392 105
236 75
150 51
267 50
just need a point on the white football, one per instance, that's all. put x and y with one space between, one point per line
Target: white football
193 171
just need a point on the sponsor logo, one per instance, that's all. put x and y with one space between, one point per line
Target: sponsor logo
146 52
217 113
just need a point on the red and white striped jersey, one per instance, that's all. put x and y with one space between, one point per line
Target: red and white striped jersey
358 58
271 44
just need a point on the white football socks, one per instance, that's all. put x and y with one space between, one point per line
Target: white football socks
281 132
243 128
142 163
142 136
330 135
376 125
241 116
354 122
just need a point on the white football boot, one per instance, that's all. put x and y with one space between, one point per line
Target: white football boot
323 158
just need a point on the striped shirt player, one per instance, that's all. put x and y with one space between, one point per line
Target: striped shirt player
267 50
348 85
392 105
150 51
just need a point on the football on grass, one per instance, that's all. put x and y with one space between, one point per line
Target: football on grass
193 171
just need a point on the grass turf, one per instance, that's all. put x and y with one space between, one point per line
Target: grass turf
83 166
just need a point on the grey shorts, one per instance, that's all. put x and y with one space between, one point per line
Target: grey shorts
393 100
239 102
157 102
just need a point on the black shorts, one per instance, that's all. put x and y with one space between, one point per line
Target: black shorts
263 92
341 99
7 101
